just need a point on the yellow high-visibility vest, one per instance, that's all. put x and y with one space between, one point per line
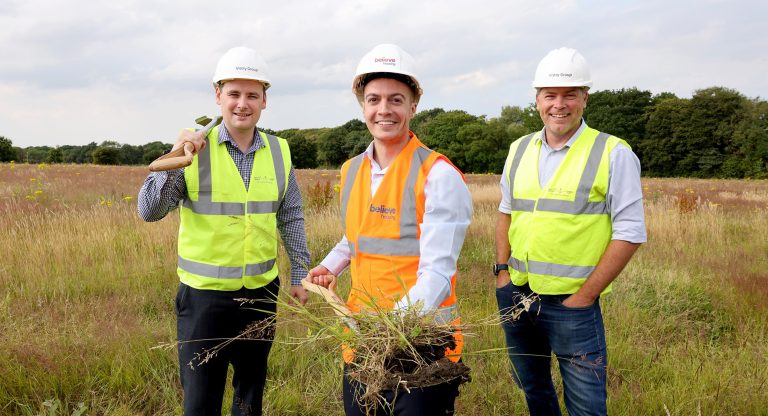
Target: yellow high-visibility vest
228 235
558 234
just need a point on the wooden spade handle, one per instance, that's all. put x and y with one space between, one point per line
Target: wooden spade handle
334 300
329 295
182 157
179 158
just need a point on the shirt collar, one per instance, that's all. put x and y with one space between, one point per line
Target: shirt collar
570 141
375 168
224 136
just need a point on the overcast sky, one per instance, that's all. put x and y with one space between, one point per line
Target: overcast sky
134 71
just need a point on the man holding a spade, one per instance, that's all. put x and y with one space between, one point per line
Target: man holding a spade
236 194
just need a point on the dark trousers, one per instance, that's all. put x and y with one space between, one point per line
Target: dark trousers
435 400
206 319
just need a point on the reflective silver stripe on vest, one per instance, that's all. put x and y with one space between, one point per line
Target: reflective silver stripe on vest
408 243
581 203
259 268
204 205
213 208
559 270
277 160
389 246
519 204
354 167
224 272
517 264
447 314
263 207
551 269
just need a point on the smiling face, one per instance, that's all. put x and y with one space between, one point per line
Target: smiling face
388 106
561 109
241 102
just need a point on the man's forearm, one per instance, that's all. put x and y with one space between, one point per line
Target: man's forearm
616 256
160 193
503 250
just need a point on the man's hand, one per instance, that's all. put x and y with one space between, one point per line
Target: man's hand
299 294
320 275
196 138
578 300
502 279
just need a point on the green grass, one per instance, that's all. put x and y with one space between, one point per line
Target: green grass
87 289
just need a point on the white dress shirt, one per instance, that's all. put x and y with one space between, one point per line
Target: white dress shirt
447 214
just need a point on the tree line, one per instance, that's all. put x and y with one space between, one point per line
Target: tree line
718 132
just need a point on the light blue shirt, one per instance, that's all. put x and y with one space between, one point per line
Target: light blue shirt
625 192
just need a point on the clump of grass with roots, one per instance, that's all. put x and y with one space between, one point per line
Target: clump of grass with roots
393 350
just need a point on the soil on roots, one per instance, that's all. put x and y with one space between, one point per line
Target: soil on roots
420 361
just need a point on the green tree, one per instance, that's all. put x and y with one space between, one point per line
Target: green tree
619 112
748 154
6 150
106 155
422 117
78 154
131 155
36 154
336 145
441 134
55 155
664 144
487 145
715 113
303 151
519 121
153 150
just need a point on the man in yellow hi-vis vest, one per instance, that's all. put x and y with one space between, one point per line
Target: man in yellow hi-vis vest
570 218
238 192
405 211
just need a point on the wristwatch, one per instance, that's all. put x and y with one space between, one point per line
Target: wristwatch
499 267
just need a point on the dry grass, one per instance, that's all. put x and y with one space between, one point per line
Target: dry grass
88 289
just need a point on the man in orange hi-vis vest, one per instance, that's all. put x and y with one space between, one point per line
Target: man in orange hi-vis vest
405 211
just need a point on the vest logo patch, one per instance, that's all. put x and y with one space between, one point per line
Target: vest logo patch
561 192
386 213
262 179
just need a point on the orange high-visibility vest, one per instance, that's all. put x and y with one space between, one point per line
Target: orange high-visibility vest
383 232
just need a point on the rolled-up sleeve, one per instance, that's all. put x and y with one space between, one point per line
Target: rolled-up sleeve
625 196
160 194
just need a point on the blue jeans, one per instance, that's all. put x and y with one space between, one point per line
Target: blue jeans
575 335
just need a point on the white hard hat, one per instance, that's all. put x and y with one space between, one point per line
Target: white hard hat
241 63
563 67
386 58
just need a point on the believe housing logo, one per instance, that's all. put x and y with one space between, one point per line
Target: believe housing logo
382 209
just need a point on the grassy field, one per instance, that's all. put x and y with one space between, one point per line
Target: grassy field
87 289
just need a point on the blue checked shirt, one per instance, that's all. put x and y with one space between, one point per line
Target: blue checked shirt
162 192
